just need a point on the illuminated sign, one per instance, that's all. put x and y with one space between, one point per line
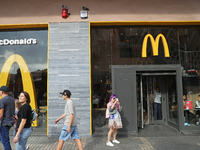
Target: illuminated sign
154 44
24 41
28 84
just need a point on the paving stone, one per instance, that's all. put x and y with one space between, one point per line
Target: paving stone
144 141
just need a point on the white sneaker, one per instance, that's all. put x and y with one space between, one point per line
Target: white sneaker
109 144
116 141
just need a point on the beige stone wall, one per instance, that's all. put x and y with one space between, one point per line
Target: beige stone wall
45 11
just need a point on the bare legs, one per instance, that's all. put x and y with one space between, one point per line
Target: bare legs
114 131
114 134
61 142
79 144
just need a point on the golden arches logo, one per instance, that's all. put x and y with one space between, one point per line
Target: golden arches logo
27 81
155 44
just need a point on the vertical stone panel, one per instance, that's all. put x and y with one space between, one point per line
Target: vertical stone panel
68 69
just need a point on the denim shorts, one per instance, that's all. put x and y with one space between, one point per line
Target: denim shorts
73 133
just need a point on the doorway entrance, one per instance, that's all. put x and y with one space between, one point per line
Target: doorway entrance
128 84
156 98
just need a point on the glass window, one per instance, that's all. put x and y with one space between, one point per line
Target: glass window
30 45
191 100
122 45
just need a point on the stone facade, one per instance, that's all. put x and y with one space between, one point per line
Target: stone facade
69 69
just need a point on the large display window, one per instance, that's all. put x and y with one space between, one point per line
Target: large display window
191 100
137 45
23 64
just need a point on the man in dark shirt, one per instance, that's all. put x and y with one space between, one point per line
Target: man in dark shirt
7 110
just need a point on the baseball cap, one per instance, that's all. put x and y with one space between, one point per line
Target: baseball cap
4 89
66 92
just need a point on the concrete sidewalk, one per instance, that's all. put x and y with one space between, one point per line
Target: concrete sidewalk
127 143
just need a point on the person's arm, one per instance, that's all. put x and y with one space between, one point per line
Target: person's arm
183 104
1 113
21 126
70 122
56 121
197 72
112 107
119 106
153 87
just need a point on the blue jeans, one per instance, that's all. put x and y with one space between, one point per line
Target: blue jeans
4 137
157 111
14 134
23 138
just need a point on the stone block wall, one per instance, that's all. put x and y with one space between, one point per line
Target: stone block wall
69 69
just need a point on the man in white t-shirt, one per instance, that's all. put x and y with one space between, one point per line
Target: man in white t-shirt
70 124
157 104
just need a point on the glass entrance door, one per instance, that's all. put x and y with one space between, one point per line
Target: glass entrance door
157 99
145 100
149 100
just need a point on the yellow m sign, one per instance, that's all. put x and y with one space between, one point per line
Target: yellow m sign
154 44
27 81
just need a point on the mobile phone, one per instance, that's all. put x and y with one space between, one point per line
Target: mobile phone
117 99
14 117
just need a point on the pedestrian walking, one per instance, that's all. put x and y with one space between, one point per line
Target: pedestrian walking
70 124
23 126
17 108
114 123
7 110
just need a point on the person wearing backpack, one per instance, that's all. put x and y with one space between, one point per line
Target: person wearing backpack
114 123
24 120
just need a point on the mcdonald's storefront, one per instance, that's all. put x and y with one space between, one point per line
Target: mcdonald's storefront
131 60
96 59
23 64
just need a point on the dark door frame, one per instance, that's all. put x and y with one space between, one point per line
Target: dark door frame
117 69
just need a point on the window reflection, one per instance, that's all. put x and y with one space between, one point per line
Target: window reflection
191 86
122 45
172 100
35 56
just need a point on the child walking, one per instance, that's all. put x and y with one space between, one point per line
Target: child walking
17 108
